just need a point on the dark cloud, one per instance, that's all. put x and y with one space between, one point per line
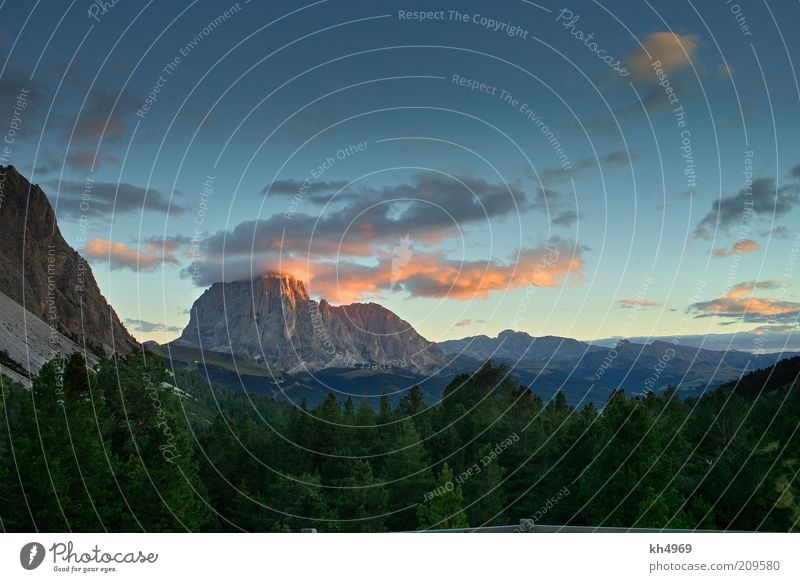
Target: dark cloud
106 198
548 199
312 189
567 218
89 160
173 241
656 99
83 161
794 172
29 96
764 199
554 204
615 158
653 101
428 209
14 82
104 115
776 232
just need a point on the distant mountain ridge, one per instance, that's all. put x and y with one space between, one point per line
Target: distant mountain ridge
522 347
44 275
759 341
589 372
510 344
272 320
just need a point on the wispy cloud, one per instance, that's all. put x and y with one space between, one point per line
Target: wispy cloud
77 198
637 303
740 247
617 158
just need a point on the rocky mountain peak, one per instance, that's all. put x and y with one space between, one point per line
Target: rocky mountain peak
271 319
286 283
40 272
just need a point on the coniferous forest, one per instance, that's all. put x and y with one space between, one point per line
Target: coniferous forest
130 446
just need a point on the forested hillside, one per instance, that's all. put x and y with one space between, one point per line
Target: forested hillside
129 447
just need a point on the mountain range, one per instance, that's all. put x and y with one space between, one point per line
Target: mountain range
587 372
297 347
267 335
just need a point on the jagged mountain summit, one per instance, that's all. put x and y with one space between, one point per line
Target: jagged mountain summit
45 276
272 320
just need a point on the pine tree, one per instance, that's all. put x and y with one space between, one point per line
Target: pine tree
67 473
483 492
407 479
363 502
444 509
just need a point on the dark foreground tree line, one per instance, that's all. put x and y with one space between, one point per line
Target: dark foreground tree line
118 448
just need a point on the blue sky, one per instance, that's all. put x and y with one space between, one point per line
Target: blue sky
502 180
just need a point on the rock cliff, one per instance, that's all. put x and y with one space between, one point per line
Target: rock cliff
271 319
43 274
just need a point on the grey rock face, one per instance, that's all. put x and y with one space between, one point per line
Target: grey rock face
271 319
42 273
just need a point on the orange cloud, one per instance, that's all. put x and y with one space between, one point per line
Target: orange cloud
637 303
739 248
423 274
463 323
121 256
432 275
672 51
740 303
